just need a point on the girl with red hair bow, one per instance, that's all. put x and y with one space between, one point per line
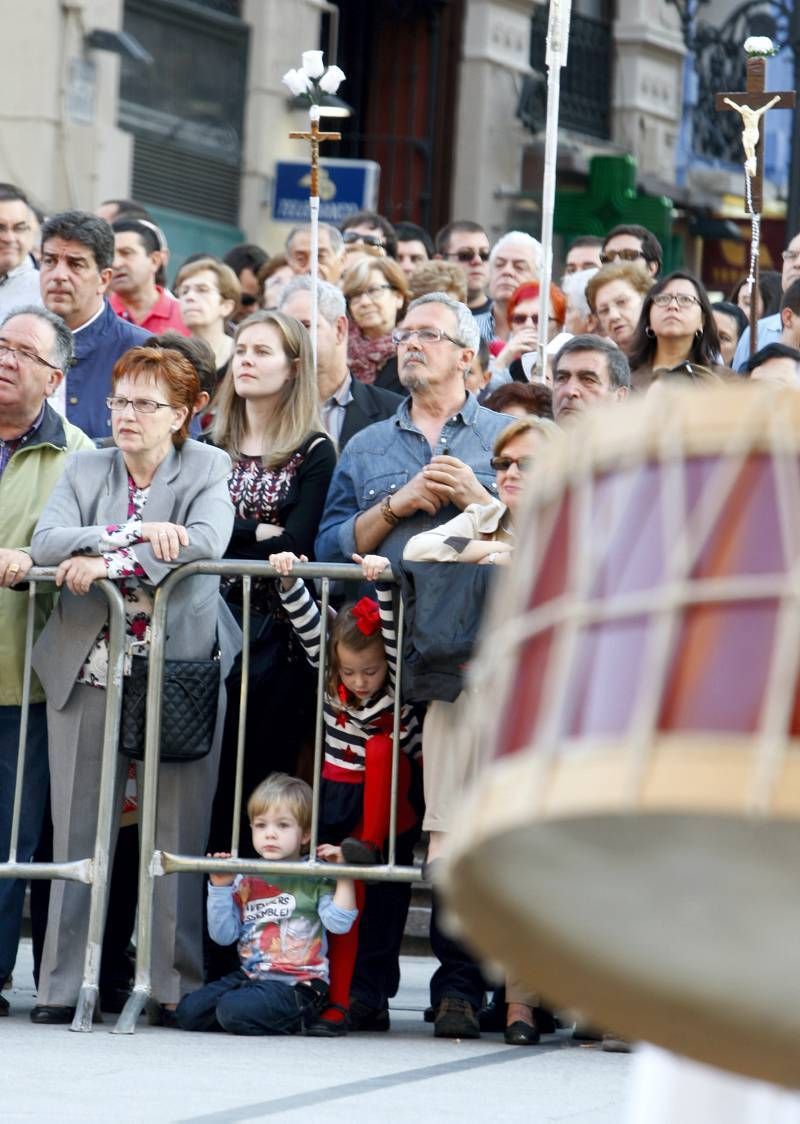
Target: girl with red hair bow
358 712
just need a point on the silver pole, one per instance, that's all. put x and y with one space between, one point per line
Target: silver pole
247 583
108 811
319 719
126 1023
396 732
556 57
22 750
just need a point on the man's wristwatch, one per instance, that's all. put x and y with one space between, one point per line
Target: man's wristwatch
391 517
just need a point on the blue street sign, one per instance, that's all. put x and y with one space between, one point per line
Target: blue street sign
345 186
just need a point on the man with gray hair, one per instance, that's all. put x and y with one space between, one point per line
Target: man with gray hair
348 405
516 257
427 462
331 258
35 353
588 370
401 476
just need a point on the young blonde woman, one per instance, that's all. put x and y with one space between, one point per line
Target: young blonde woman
268 421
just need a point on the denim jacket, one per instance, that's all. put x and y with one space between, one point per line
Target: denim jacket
380 459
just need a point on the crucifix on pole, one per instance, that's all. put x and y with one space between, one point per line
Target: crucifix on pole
751 105
314 136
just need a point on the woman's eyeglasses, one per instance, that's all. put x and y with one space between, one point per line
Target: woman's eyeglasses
117 404
374 293
503 464
683 300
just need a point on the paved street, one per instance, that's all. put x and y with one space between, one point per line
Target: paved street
403 1076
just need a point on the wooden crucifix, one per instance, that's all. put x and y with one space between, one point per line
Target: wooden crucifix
314 137
752 106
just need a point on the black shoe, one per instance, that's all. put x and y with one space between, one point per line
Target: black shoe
613 1044
583 1032
360 852
5 1009
545 1020
430 1013
329 1028
457 1018
54 1016
160 1015
362 1017
113 999
520 1033
492 1017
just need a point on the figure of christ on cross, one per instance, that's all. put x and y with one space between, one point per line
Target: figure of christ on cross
314 137
751 107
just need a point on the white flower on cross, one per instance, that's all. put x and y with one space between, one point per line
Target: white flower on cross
313 78
759 46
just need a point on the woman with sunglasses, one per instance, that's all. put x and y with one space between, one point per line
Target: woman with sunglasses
676 334
484 534
376 291
523 320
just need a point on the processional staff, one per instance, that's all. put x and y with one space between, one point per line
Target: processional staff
313 79
752 105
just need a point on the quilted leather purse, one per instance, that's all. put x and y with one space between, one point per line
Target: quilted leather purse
188 708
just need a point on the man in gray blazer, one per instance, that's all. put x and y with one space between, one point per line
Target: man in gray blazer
348 405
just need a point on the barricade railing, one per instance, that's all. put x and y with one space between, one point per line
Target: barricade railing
155 863
92 870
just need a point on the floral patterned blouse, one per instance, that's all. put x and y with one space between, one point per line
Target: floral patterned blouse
120 561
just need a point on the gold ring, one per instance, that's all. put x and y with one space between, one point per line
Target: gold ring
13 568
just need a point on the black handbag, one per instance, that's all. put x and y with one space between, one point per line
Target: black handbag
188 708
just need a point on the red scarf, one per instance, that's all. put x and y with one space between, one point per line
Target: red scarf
367 357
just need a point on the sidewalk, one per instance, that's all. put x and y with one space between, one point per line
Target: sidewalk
406 1076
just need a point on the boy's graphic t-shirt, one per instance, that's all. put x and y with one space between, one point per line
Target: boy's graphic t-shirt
280 925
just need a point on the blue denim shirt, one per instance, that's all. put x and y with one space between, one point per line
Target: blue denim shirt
380 459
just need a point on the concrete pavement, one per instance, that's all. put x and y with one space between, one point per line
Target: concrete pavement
405 1076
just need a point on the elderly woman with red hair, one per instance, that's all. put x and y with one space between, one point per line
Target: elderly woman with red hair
523 322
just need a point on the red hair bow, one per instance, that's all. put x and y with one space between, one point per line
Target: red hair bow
367 617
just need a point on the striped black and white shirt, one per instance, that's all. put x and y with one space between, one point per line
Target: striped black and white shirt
349 727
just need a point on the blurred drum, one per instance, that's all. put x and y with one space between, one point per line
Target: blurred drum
632 848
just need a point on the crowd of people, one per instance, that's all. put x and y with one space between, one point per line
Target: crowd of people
143 426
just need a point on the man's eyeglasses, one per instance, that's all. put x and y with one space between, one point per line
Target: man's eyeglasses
117 404
424 335
20 354
609 256
469 255
683 300
790 255
17 228
351 236
503 464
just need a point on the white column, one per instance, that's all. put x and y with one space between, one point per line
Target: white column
280 30
489 138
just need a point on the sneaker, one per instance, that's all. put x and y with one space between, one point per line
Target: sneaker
457 1018
362 1017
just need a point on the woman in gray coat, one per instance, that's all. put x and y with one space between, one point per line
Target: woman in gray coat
133 513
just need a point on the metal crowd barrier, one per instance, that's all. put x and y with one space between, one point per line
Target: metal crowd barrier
155 863
94 869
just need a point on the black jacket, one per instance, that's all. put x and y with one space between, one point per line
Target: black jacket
370 404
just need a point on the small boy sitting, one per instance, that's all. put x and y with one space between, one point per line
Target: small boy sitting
279 923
